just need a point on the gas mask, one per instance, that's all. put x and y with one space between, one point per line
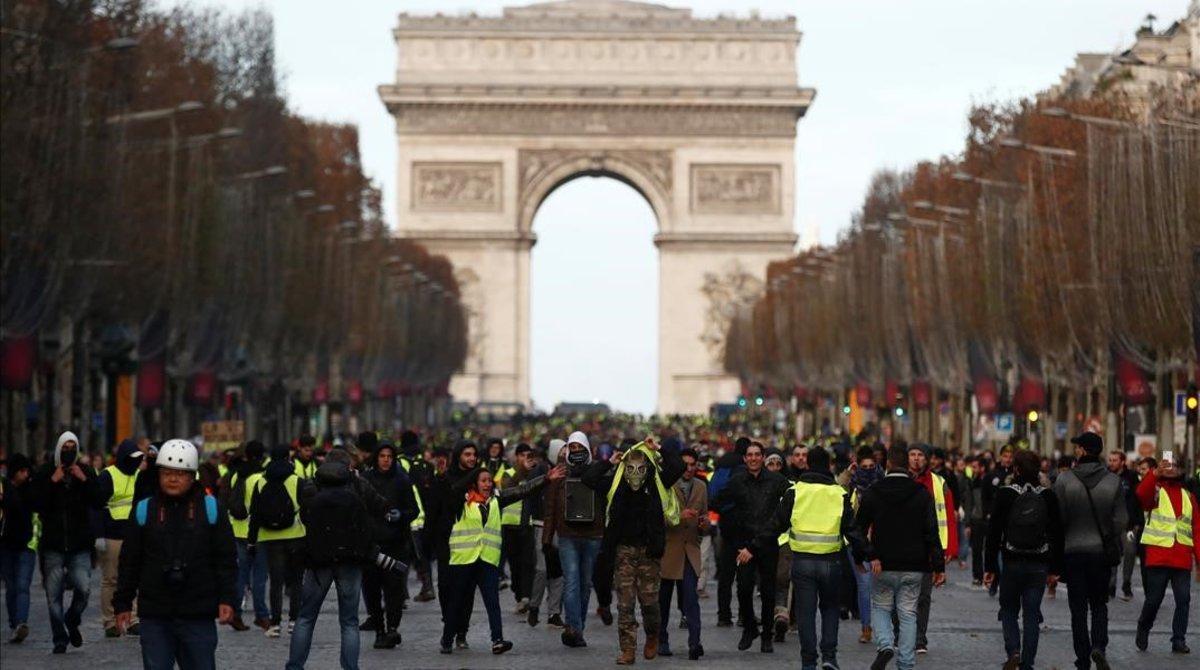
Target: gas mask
636 472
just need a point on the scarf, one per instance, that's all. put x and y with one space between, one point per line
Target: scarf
863 478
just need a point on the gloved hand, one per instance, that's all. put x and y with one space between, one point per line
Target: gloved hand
390 564
392 516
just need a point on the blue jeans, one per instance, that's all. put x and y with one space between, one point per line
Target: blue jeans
57 567
689 605
578 558
1157 580
252 571
190 642
817 583
16 572
463 580
314 588
864 580
898 592
1022 584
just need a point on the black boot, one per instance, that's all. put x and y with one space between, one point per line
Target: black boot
749 634
370 623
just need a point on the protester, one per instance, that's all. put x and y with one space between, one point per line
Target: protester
1170 542
444 510
421 475
1027 531
751 498
337 512
63 494
393 534
275 523
1129 539
864 474
474 554
556 454
18 543
117 488
681 563
944 506
518 548
575 521
639 506
178 560
252 567
1092 507
305 463
729 463
904 548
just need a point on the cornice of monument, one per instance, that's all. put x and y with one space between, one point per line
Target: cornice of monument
396 95
601 16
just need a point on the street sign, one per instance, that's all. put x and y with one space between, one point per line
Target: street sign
1179 421
1181 404
1004 425
222 435
1060 430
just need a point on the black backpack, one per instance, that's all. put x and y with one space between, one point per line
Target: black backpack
1027 518
234 497
336 531
274 509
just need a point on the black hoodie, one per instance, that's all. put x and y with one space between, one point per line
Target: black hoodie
395 487
897 518
445 498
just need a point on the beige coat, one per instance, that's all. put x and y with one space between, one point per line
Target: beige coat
684 539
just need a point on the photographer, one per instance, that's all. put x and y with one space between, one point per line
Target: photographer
179 561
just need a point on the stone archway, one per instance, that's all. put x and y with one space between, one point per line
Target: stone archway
698 115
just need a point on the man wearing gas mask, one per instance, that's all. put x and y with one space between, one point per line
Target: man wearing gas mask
640 506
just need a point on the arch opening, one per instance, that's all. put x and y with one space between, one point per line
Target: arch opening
594 294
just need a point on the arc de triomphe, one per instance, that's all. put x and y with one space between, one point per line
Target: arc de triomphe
698 115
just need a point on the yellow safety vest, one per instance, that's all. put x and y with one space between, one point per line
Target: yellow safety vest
419 522
1163 528
37 532
294 531
304 471
472 540
817 518
670 504
222 470
121 501
939 506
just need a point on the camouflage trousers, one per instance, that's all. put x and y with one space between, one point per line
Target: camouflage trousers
636 577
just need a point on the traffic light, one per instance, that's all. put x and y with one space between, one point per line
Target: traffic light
1032 416
899 412
758 401
1192 404
742 402
846 410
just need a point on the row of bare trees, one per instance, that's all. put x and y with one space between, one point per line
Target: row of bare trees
1059 244
161 204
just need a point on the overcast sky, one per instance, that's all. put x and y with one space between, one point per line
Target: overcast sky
894 81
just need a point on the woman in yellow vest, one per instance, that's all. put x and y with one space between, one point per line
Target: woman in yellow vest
474 549
280 532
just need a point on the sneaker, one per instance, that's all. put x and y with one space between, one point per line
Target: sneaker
1180 648
19 634
59 649
503 584
394 636
1126 594
665 650
682 623
605 615
523 606
425 596
1099 660
724 622
554 620
112 631
263 623
533 616
695 653
272 631
291 626
501 646
382 641
75 637
460 642
134 630
573 638
922 649
831 664
1013 662
369 623
446 647
1141 639
781 628
882 658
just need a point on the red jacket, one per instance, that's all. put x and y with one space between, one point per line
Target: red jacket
926 480
1178 555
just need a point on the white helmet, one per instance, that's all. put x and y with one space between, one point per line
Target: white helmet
178 455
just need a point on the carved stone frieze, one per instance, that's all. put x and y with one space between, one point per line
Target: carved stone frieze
425 119
733 188
533 165
459 186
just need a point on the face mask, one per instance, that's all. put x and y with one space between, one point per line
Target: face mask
579 457
635 474
67 457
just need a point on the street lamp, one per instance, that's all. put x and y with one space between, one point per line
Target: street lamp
1014 143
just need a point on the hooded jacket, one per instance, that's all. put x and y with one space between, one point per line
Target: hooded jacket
16 507
64 506
1081 535
747 504
781 521
128 461
395 487
636 517
897 519
554 521
445 498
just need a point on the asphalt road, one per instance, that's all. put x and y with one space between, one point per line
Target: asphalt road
964 633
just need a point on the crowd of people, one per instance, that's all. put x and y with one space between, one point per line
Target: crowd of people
819 530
